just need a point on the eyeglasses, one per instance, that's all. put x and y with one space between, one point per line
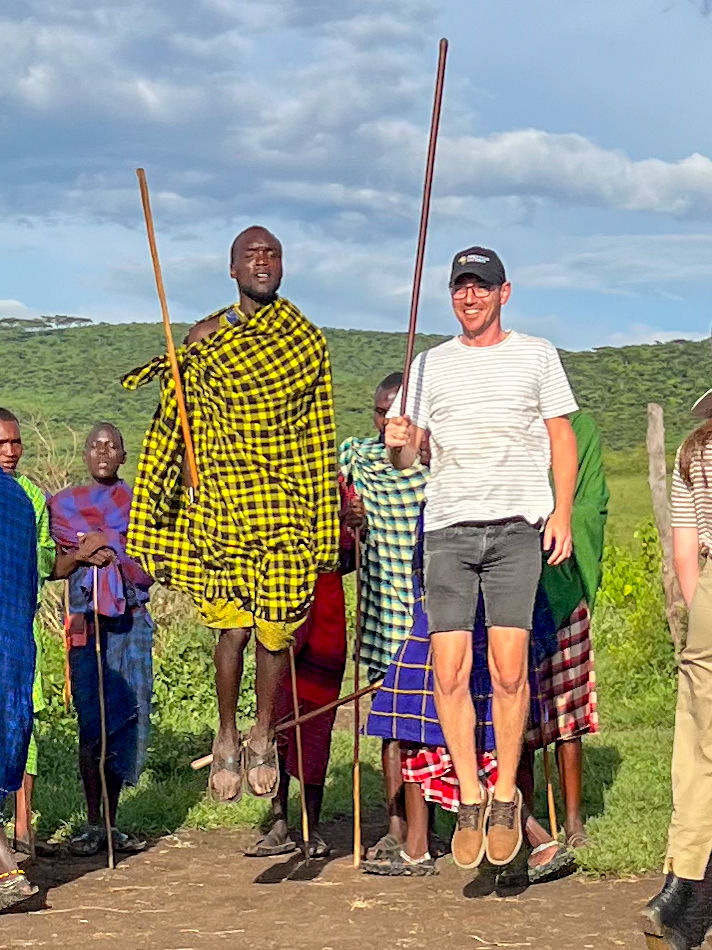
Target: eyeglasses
479 290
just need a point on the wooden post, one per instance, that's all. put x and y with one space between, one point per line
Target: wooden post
657 479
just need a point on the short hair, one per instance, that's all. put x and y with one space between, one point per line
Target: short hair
7 416
252 227
392 381
105 425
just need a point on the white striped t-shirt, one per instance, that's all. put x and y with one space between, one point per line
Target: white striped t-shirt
485 409
692 505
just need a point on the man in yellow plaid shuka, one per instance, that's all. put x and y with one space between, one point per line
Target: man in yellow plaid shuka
264 520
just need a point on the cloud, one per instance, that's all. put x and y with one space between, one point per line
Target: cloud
15 309
642 333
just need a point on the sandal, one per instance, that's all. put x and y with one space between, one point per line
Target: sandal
579 839
318 848
402 865
262 850
255 760
563 860
14 888
127 844
385 848
234 764
88 841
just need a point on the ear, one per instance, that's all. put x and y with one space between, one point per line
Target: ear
233 273
505 293
123 457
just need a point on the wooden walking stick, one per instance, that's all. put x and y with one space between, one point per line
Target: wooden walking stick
192 468
67 689
300 760
553 826
424 215
357 708
102 722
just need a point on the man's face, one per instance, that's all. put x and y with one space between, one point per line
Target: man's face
382 402
11 447
478 305
104 453
257 265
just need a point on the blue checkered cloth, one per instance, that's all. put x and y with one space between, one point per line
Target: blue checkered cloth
404 706
18 602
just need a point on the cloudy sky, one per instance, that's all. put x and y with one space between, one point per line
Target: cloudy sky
576 139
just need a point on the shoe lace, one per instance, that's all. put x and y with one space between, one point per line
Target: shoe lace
503 813
469 817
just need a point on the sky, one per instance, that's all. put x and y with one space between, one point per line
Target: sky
576 140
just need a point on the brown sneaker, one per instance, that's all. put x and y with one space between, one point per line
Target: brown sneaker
504 831
468 842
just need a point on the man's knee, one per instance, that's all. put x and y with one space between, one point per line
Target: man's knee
235 638
508 681
452 679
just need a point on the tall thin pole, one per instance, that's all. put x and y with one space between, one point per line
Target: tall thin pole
192 470
424 215
102 722
357 708
300 760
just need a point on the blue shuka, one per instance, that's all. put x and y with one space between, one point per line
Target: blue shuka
18 602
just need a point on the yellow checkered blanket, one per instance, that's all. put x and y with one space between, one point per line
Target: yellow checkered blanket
264 521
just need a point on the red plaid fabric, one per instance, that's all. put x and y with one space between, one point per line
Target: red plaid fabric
431 767
567 686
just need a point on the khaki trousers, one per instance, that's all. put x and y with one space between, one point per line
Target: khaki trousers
690 835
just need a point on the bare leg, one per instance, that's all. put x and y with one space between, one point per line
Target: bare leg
569 756
23 809
270 669
416 810
525 778
229 658
391 760
452 664
91 779
508 663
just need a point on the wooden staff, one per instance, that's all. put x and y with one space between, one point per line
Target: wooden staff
357 708
102 722
424 214
192 469
67 689
283 726
300 760
553 826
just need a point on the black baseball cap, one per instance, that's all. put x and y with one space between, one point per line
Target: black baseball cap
480 262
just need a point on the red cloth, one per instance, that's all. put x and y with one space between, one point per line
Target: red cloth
320 650
432 769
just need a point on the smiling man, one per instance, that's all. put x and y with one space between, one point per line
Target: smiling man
496 403
263 521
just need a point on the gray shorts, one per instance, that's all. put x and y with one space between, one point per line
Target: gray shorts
503 558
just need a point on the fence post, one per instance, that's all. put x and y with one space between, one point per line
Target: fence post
657 479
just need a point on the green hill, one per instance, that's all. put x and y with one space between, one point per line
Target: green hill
70 377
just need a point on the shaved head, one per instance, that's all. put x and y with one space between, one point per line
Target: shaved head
256 265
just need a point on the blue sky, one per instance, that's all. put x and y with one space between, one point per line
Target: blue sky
575 139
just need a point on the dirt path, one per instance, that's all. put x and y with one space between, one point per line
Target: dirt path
195 891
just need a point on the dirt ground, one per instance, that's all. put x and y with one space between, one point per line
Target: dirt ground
195 890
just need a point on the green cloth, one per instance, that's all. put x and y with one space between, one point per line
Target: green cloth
579 577
46 553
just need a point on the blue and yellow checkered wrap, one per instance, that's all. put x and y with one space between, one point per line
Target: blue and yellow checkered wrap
265 517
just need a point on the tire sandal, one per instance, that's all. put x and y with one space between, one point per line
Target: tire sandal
385 848
318 848
88 841
255 760
579 839
127 844
234 764
401 865
260 849
15 888
563 860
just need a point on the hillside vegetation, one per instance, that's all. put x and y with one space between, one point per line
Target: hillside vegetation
71 377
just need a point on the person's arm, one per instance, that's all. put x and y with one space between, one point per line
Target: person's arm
685 555
403 441
564 467
93 550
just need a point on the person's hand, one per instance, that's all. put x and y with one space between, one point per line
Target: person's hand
557 537
93 549
398 432
354 513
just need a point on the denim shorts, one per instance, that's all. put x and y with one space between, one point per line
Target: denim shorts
501 558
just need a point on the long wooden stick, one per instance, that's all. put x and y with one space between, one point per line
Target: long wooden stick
102 722
67 689
192 470
553 826
424 215
283 726
300 760
357 708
